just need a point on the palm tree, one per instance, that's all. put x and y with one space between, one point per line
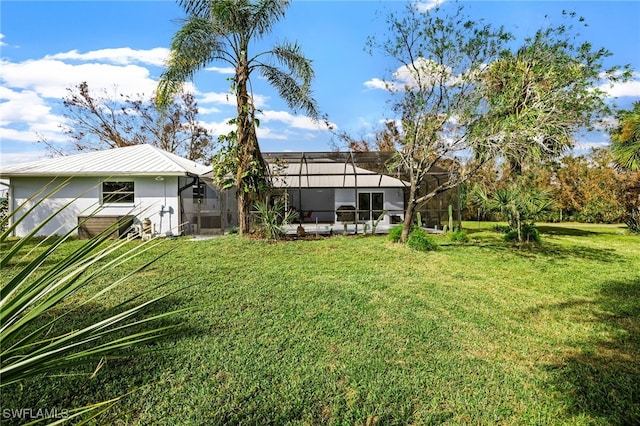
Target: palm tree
518 204
625 147
222 30
625 139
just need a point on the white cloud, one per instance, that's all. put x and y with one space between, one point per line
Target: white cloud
585 147
266 133
376 83
24 107
228 98
2 43
221 98
219 128
222 70
424 5
120 56
10 158
622 89
24 116
294 121
211 110
17 135
50 78
407 76
27 88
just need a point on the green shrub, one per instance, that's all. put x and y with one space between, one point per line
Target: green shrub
459 236
503 229
272 218
395 233
420 240
529 234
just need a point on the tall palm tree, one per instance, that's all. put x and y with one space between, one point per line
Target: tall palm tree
222 30
625 139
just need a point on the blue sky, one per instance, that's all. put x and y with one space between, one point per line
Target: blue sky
120 46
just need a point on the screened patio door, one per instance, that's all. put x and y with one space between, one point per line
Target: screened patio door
370 205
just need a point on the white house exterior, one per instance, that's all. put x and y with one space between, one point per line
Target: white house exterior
138 181
178 196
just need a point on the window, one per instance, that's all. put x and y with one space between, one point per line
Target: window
117 192
370 205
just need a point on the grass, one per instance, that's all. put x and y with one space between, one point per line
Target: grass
357 330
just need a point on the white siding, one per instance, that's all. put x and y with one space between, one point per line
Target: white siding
155 199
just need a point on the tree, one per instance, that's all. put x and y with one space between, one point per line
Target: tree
541 95
436 95
223 30
588 188
383 140
625 147
519 206
96 122
625 139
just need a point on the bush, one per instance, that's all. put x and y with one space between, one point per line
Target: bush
502 229
529 234
272 218
395 233
420 240
459 236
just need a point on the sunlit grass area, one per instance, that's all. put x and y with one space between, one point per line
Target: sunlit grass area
357 330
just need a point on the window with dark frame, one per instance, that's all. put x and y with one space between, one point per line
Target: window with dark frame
118 193
370 204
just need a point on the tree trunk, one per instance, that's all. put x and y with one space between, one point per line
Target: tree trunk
408 220
408 214
244 148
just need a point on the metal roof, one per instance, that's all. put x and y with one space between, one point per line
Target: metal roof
136 160
330 175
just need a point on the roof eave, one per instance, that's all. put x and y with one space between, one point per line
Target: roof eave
101 174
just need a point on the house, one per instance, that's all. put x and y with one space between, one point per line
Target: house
132 183
163 194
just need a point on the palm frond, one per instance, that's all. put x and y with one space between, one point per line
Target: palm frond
35 301
197 43
265 14
296 95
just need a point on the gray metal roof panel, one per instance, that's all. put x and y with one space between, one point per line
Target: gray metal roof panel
138 160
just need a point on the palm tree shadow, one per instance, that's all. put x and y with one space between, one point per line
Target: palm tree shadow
601 378
564 230
550 250
557 251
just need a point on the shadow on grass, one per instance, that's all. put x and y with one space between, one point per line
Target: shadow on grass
601 377
546 249
123 371
556 251
564 230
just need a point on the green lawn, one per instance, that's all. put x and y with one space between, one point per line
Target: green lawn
356 330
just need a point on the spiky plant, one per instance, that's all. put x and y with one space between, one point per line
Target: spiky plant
36 284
